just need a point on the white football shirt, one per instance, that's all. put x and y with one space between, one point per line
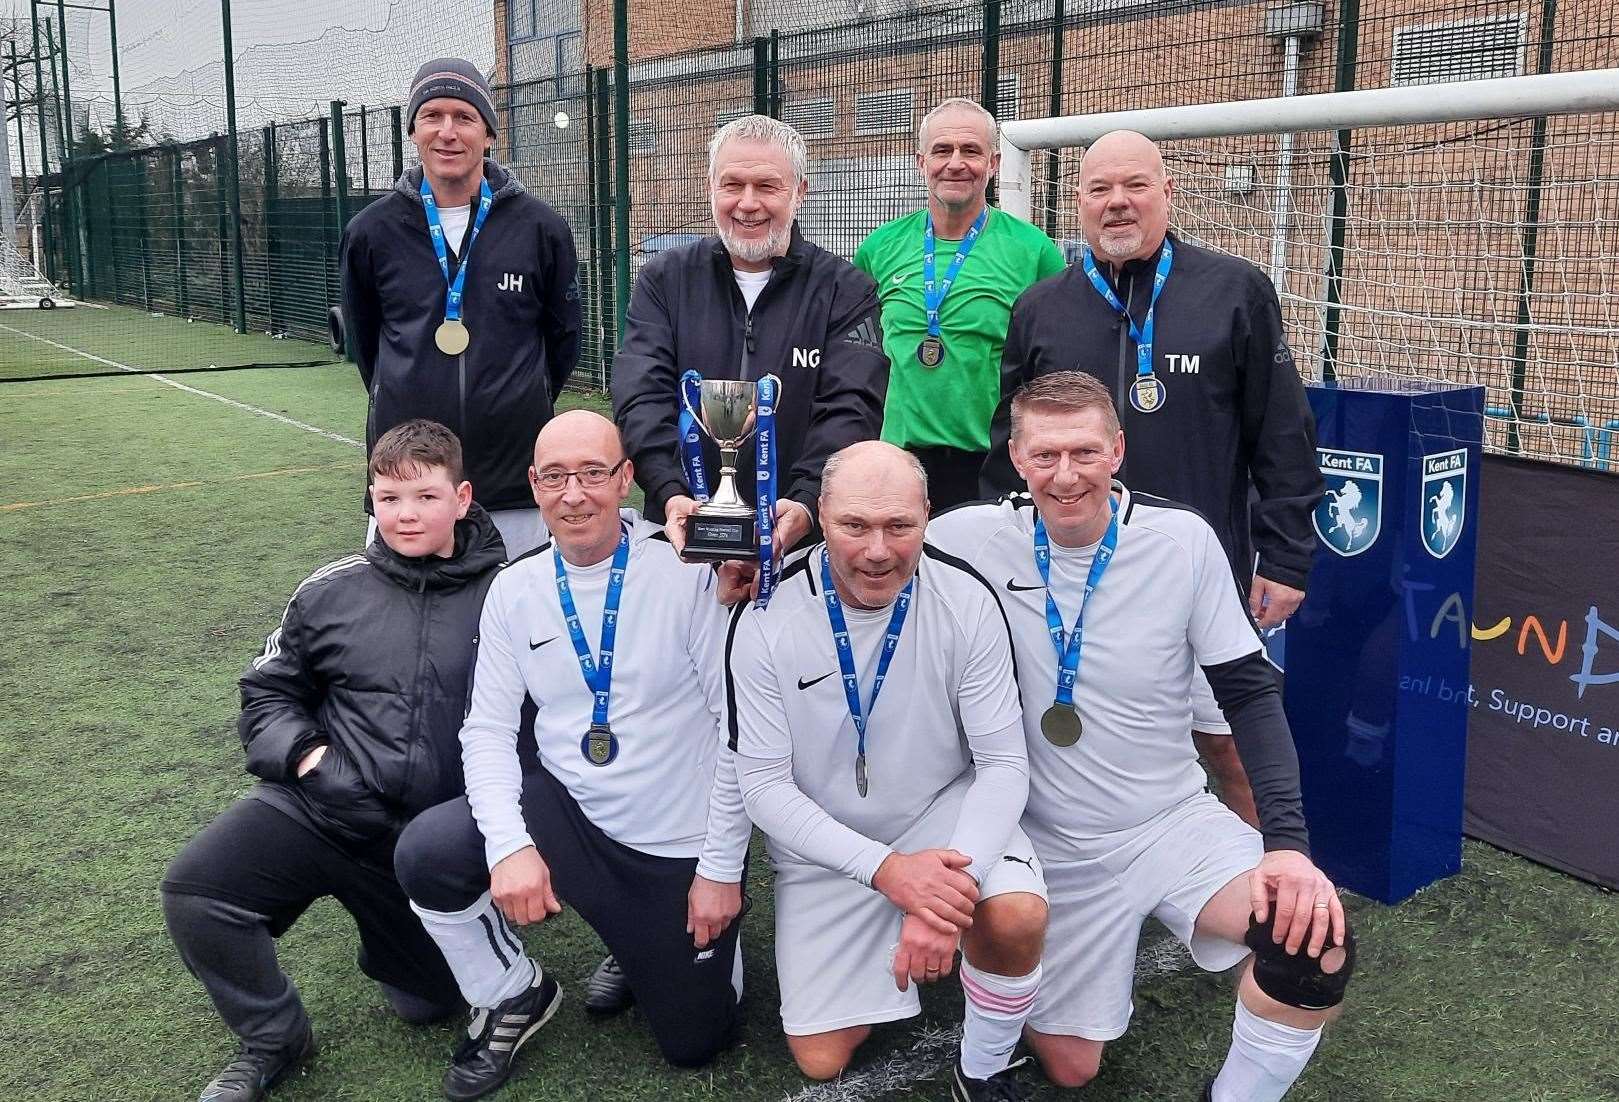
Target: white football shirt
1166 603
671 792
946 727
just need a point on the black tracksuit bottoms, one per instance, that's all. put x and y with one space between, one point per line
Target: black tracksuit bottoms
246 878
634 901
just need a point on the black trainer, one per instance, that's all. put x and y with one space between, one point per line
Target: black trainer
483 1062
1001 1087
607 991
251 1075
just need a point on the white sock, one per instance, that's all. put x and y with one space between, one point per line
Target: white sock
1265 1058
996 1009
487 959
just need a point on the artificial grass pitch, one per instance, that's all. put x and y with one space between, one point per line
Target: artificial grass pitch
128 617
90 339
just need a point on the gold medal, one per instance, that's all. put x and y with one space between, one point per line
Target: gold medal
452 337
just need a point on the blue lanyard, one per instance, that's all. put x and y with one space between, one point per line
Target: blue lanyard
840 636
934 290
435 230
1068 645
598 675
691 442
764 485
1143 335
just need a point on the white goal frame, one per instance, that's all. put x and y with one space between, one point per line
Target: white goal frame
1594 90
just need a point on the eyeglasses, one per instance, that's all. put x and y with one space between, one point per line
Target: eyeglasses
553 479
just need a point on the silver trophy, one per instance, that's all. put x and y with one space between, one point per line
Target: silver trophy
724 526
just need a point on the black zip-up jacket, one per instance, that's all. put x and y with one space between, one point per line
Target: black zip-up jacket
373 658
815 326
1234 411
521 306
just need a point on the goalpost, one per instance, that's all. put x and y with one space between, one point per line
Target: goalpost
1464 232
22 287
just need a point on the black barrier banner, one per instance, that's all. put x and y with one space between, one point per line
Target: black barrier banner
1543 741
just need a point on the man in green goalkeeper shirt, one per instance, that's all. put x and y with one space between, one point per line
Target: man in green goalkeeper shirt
947 277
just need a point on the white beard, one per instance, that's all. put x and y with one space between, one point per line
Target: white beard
1122 244
756 250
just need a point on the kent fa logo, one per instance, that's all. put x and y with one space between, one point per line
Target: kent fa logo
1350 516
1444 501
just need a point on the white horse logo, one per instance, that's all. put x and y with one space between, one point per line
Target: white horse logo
1444 520
1342 508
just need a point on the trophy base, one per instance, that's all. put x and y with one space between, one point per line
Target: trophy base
717 538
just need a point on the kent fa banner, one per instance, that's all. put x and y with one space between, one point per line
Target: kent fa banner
1543 737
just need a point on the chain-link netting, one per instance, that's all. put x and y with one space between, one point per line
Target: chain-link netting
1442 224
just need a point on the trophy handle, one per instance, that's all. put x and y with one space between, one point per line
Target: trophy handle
685 404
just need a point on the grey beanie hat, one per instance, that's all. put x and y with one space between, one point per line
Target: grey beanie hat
453 78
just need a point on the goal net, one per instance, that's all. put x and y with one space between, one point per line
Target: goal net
1467 234
21 284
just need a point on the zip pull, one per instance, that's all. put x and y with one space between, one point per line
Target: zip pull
747 332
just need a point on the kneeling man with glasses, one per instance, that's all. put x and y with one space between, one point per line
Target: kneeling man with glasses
633 816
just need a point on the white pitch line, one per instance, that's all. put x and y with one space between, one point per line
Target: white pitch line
935 1048
243 406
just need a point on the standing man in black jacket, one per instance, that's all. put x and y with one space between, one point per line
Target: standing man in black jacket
349 719
755 299
1204 382
460 291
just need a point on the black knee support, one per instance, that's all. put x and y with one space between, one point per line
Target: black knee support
1296 979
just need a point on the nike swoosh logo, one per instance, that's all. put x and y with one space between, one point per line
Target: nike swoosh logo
899 279
1015 588
803 684
536 646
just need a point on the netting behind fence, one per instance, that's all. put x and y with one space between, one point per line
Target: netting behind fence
1462 262
855 78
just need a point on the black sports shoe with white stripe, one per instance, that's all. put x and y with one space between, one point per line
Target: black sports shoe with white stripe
1001 1087
483 1062
607 991
251 1075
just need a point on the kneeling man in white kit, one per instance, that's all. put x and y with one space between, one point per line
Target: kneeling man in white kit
879 745
1114 599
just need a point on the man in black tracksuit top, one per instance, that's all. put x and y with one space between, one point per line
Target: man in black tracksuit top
755 300
520 307
349 720
1233 414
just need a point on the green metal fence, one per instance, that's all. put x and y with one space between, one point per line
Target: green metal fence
152 227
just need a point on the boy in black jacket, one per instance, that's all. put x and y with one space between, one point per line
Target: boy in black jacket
349 718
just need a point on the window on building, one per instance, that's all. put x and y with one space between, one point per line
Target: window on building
643 136
885 112
519 20
1469 49
813 118
1007 107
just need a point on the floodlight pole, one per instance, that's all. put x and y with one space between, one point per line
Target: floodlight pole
117 88
233 174
44 151
621 156
16 97
67 87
